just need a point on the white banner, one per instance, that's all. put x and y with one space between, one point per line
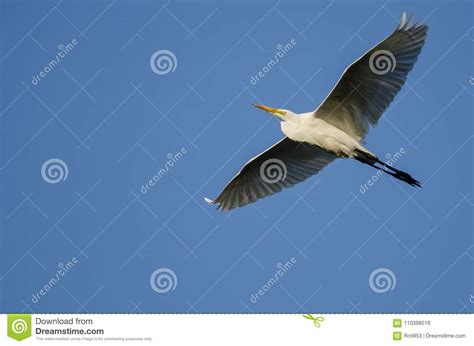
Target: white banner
237 329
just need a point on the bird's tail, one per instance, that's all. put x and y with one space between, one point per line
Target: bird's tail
372 160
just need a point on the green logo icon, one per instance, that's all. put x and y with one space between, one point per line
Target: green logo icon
19 326
397 323
397 336
316 320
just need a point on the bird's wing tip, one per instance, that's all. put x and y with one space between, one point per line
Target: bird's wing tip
403 19
209 201
406 23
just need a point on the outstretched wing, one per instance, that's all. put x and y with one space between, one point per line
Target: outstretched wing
284 164
370 84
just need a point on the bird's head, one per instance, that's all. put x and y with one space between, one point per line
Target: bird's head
282 114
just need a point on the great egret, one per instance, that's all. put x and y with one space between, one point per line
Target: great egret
337 127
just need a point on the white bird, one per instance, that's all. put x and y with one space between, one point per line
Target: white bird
337 127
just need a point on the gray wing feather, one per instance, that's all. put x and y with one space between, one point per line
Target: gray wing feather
281 166
370 84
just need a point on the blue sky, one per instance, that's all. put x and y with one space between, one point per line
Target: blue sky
115 123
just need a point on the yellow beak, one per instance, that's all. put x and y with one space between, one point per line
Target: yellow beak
270 110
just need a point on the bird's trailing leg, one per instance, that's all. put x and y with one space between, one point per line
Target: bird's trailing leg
406 177
400 175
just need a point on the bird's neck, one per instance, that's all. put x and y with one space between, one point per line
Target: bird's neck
290 128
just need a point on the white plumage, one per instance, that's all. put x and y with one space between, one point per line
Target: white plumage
313 130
